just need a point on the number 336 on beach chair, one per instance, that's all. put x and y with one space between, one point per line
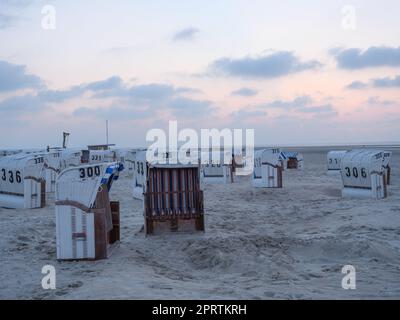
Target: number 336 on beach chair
87 223
21 181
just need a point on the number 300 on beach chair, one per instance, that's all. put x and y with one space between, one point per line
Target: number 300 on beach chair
87 223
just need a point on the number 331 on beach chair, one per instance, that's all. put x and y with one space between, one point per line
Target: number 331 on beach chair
87 223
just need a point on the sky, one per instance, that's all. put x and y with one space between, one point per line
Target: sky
298 73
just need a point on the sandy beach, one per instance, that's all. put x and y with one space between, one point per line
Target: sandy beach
288 243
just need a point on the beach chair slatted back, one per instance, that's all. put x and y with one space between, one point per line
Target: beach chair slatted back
173 195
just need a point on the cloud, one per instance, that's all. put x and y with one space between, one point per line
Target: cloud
326 109
14 77
296 103
379 83
245 92
57 96
243 114
111 83
190 107
17 3
152 93
17 105
115 113
302 104
377 101
387 82
142 100
179 106
7 21
119 99
267 66
186 34
355 58
357 85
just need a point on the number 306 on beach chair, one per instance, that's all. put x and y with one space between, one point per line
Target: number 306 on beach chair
87 223
363 174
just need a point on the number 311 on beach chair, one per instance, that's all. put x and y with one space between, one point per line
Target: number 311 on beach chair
87 222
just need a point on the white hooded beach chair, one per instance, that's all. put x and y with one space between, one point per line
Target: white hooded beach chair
217 170
291 160
70 158
87 222
334 159
267 171
386 165
363 174
21 181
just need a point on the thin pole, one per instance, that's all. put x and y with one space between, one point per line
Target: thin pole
107 132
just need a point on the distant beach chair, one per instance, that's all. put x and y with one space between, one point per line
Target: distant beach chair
70 158
22 184
291 160
334 159
386 165
87 222
219 170
98 154
267 171
52 166
363 174
139 175
9 152
127 157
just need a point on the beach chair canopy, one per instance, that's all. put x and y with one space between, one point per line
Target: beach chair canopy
357 166
82 183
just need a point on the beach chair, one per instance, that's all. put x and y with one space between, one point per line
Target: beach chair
171 193
22 185
363 174
219 170
291 160
267 171
334 159
87 222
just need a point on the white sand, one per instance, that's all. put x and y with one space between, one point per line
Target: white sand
258 244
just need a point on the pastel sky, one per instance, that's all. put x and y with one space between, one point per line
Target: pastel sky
298 72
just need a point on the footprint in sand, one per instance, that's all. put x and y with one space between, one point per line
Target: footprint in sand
75 284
